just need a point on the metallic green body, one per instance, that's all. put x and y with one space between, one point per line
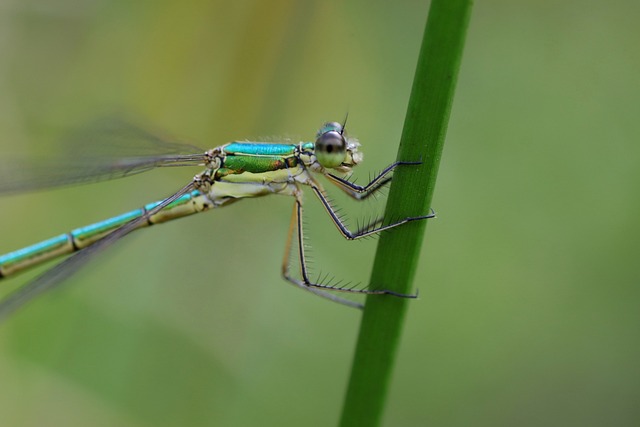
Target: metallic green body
233 171
257 158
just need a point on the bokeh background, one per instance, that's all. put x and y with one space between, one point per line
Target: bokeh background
529 282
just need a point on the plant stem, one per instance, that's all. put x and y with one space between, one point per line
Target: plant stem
410 195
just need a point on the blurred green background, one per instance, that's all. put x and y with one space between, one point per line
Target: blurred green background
529 307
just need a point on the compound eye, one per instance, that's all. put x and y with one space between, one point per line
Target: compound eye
331 149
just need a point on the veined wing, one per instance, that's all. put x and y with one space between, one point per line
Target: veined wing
106 149
56 275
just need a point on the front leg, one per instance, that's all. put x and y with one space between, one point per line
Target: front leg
360 192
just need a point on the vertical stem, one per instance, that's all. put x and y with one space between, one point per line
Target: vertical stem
410 195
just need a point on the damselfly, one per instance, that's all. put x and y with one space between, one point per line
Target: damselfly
232 172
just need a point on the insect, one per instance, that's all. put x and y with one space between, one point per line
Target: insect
233 171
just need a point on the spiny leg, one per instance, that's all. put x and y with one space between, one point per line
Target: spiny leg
374 228
360 192
319 288
295 226
379 221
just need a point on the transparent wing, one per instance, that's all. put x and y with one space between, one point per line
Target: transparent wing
56 275
106 149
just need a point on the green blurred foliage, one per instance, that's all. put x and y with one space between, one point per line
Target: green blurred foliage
529 291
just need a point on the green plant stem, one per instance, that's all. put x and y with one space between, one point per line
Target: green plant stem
410 195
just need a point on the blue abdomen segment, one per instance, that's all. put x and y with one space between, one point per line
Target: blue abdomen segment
40 251
90 231
64 244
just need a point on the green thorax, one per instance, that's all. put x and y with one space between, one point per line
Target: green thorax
260 157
